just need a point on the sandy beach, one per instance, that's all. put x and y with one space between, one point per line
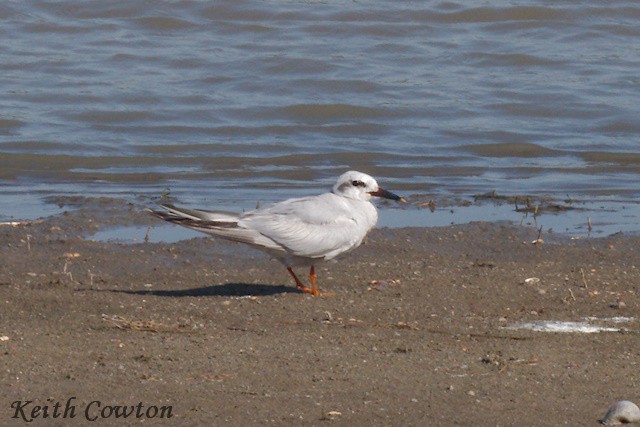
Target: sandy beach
422 329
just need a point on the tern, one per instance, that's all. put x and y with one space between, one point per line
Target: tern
299 232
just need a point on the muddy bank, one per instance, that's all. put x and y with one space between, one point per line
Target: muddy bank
416 334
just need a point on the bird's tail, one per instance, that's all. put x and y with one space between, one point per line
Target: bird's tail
197 219
218 223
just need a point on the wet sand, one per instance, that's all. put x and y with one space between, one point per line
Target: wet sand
416 333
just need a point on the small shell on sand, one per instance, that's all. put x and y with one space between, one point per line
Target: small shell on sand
621 412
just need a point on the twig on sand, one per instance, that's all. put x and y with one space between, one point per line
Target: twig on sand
140 325
584 279
538 240
570 298
121 322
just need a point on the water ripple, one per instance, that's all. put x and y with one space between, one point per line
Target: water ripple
445 97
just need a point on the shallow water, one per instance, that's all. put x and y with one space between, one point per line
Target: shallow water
573 223
138 234
234 103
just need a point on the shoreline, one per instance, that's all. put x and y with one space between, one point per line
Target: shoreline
574 218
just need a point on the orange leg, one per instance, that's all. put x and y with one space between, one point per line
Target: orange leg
312 279
313 290
299 284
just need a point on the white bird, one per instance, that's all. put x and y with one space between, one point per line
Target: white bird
297 232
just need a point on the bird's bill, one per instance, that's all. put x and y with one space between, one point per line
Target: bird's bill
387 195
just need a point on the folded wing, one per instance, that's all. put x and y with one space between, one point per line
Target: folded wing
306 228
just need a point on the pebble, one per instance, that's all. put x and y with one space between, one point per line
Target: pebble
621 412
618 304
331 415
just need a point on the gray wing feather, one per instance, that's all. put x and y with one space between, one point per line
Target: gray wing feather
217 223
200 214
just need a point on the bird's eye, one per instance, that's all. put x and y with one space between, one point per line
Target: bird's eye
357 183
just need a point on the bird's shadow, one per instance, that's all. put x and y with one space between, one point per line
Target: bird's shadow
226 290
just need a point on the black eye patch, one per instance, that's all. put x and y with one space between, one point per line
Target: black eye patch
357 183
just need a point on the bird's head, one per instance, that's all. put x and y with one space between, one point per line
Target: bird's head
360 186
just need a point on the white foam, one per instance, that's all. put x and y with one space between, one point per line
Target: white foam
588 326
